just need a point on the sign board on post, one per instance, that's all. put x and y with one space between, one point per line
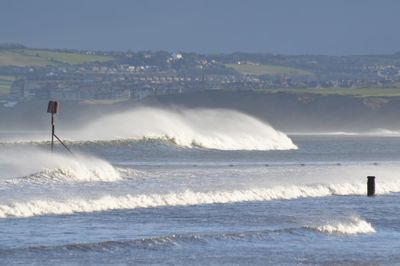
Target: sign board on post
52 107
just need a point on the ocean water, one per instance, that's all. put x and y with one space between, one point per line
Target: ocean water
299 199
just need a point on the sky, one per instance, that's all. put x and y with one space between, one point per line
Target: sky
330 27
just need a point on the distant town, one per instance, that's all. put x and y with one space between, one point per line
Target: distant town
42 74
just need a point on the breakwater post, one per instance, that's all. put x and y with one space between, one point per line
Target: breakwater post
371 186
52 108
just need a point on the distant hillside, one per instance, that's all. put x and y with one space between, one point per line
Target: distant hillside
268 70
42 74
35 57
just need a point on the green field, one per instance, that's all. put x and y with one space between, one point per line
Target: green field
272 70
30 57
361 92
5 84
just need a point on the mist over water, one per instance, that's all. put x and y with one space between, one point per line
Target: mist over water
40 165
378 132
207 128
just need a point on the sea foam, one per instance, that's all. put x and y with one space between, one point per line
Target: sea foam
29 164
185 198
352 226
207 128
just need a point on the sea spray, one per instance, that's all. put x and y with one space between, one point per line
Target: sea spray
70 205
207 128
20 164
379 132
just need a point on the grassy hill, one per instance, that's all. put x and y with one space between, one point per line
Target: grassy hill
25 57
271 70
32 57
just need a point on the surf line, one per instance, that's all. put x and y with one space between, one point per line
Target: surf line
52 108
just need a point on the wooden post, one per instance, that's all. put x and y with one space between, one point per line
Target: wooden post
371 186
53 129
52 108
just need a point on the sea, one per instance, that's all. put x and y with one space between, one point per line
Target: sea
198 187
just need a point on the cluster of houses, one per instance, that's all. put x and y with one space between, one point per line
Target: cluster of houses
113 80
102 82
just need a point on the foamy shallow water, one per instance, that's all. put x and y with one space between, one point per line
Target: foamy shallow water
153 202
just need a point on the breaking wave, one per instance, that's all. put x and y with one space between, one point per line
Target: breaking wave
206 128
40 166
185 198
380 132
80 172
155 242
385 132
213 129
354 225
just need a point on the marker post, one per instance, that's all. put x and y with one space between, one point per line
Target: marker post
52 108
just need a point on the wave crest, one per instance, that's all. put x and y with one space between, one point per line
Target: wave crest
219 129
354 225
81 173
207 128
185 198
27 165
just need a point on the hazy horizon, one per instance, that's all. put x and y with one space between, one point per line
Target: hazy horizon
277 27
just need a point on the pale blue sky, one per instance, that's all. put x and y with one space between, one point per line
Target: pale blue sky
336 27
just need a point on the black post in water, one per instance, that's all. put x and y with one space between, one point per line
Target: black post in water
53 109
52 131
371 186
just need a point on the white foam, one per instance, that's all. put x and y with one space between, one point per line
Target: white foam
208 128
385 132
33 164
187 197
354 225
379 132
214 129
